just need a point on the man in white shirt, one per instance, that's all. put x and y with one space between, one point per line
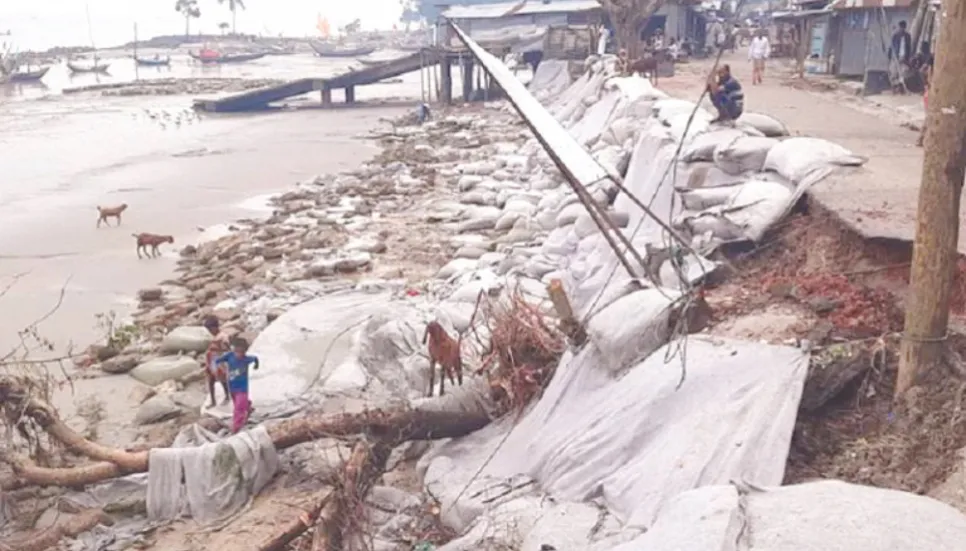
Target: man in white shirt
758 52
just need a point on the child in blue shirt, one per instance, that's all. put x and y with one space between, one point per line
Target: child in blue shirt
237 362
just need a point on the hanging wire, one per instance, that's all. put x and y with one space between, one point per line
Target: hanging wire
686 301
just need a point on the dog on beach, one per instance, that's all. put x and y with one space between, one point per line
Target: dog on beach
110 212
445 351
153 240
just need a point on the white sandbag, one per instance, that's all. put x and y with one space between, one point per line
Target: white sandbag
568 215
684 126
767 125
758 205
612 158
706 175
632 327
816 516
663 109
715 223
704 198
702 146
188 338
826 515
743 154
619 131
551 77
795 158
634 88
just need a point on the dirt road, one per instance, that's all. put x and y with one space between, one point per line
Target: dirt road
878 201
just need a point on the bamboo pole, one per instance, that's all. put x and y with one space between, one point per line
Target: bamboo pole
937 222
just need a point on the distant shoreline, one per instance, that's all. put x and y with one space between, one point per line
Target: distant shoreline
172 41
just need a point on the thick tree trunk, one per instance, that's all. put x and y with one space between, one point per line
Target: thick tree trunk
390 426
332 514
937 227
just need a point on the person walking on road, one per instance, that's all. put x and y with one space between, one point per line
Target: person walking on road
758 52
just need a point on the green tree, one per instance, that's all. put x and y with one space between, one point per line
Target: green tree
224 27
189 10
410 12
353 27
233 6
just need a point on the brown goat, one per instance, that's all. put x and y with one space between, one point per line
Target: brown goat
145 240
445 351
647 65
103 213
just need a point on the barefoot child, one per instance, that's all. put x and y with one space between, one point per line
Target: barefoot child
237 362
213 372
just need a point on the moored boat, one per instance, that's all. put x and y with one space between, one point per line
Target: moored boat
153 62
325 50
212 56
25 76
94 68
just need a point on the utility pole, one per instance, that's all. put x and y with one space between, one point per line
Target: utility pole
937 222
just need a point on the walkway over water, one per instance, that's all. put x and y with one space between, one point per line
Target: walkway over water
260 98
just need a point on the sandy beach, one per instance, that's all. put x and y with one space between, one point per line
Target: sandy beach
178 172
181 174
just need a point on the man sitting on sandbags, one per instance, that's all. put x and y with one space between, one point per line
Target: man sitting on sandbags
726 95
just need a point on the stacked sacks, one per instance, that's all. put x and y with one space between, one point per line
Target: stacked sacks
604 428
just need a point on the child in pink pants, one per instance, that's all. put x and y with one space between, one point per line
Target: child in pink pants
237 362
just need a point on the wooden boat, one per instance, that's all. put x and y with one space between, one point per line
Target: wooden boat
153 62
26 76
95 68
373 62
325 50
213 57
273 49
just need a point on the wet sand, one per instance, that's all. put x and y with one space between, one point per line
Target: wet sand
178 172
174 182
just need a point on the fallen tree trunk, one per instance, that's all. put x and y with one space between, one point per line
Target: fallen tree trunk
431 420
343 522
332 515
297 527
49 537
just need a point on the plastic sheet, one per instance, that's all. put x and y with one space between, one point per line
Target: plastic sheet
207 478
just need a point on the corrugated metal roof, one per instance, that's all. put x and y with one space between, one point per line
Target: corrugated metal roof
800 14
558 6
867 4
523 7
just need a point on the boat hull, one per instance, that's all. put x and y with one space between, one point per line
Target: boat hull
237 58
323 50
27 76
153 62
92 69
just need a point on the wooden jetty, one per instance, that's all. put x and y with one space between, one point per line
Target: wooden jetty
260 98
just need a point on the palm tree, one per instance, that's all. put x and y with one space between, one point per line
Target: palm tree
233 6
189 10
224 27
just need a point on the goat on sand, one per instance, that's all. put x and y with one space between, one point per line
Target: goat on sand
110 212
153 240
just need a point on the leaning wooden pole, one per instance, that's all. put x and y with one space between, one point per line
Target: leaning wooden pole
937 226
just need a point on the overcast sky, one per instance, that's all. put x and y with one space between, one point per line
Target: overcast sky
44 23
